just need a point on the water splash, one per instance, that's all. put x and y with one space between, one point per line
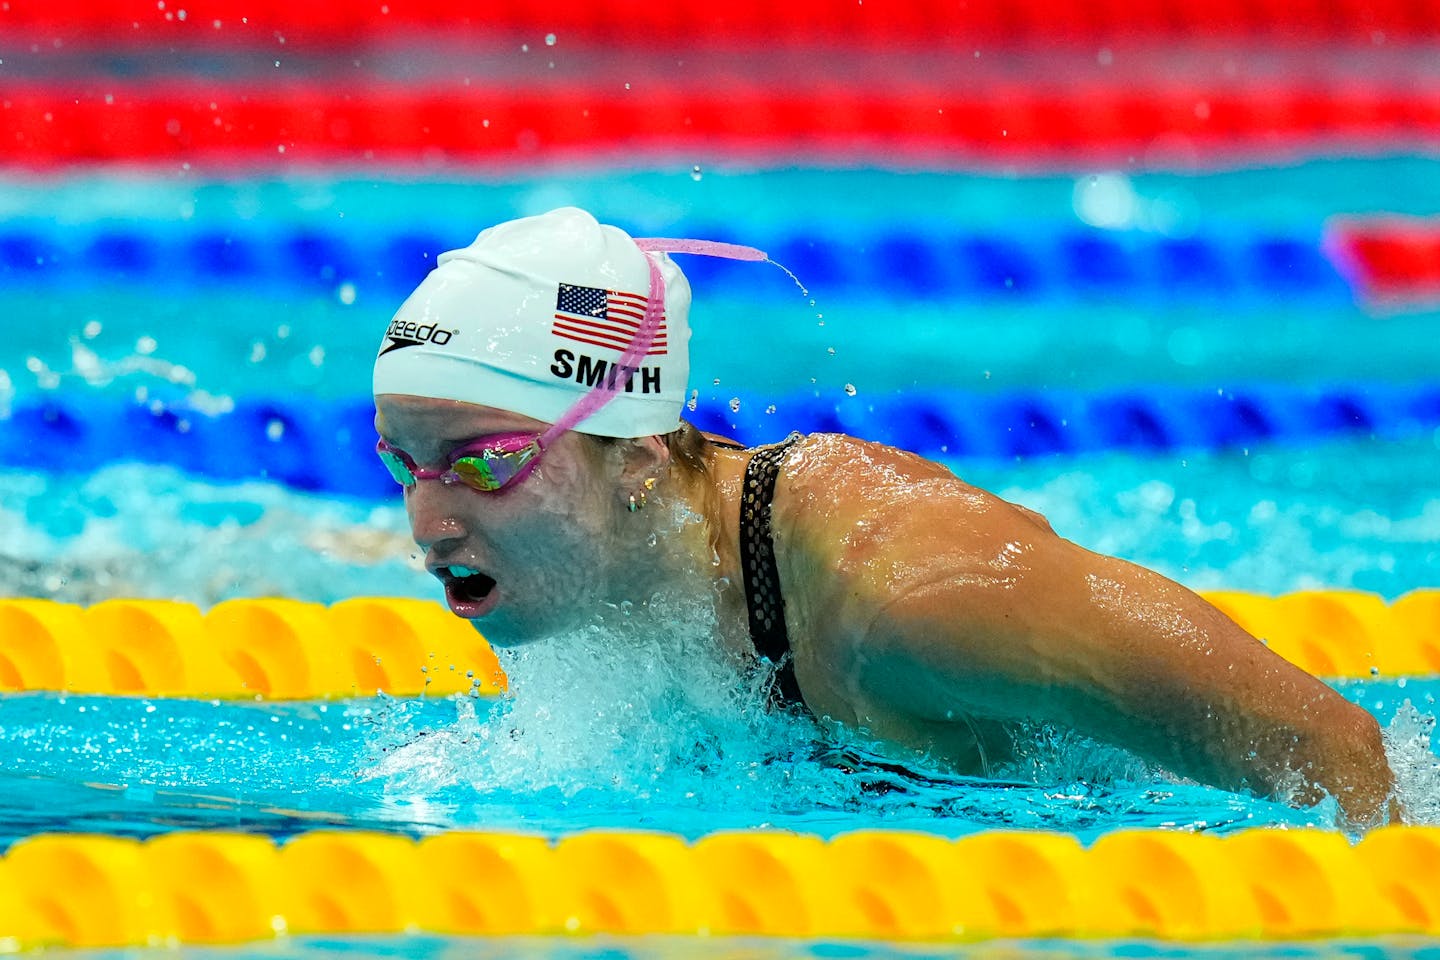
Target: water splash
653 716
1409 748
651 709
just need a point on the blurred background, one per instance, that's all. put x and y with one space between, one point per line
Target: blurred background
1166 271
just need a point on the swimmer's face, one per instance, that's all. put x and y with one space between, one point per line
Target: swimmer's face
527 562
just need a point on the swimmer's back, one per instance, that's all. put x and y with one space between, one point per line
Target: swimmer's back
919 604
856 524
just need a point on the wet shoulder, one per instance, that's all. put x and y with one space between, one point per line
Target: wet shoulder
825 472
825 459
839 490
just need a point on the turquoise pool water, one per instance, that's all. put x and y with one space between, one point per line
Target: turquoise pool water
138 767
171 292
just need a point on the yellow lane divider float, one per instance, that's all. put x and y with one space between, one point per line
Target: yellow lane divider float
78 890
272 648
279 649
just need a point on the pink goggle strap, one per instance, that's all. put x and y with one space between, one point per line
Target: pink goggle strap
604 391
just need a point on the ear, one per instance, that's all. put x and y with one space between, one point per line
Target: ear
644 458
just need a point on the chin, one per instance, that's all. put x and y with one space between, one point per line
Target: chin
501 640
504 631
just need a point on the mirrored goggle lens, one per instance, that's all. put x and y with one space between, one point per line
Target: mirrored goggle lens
398 468
494 469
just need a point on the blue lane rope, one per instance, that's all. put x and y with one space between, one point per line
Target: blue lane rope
327 445
1073 263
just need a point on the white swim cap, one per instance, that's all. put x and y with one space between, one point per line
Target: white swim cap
533 316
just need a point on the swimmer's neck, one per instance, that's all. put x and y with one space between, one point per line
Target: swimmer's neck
681 543
690 537
721 489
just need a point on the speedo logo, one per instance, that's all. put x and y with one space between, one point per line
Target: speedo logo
402 335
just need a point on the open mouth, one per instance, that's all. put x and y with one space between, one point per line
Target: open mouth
469 592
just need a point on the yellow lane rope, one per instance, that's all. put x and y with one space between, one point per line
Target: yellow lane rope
288 649
1264 883
271 648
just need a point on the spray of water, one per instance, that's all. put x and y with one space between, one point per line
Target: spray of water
651 709
1415 765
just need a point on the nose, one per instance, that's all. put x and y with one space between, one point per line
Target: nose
435 512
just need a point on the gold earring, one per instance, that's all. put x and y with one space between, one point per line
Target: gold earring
637 504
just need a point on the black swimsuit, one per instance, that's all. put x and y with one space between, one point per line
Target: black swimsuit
762 579
772 641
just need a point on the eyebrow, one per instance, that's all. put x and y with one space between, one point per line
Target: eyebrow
453 442
449 442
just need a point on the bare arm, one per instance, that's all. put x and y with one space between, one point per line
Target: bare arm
953 600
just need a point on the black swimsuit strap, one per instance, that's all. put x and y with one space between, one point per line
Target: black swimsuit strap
757 562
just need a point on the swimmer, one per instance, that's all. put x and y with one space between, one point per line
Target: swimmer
529 398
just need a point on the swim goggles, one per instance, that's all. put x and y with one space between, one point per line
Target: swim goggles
491 464
488 464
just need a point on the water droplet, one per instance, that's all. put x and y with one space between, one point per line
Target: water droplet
346 293
770 409
830 350
275 429
694 399
92 330
734 404
716 381
786 270
696 173
549 39
849 389
145 346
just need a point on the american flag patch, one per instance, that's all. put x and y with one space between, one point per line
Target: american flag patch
603 318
